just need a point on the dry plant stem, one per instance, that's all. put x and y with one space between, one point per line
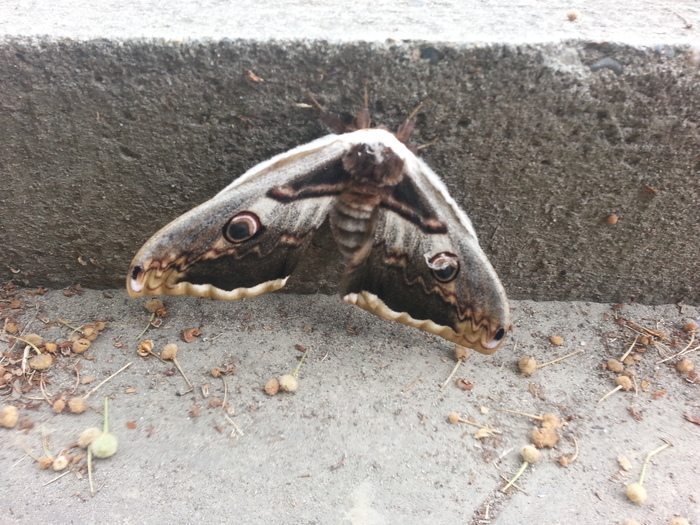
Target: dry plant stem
76 369
89 462
43 390
624 356
618 387
454 371
415 382
238 429
63 321
538 418
103 382
45 444
177 364
686 350
512 484
25 357
477 425
36 349
27 455
153 316
646 461
300 362
560 358
573 458
223 404
57 478
517 475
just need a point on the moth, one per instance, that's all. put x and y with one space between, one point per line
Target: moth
412 254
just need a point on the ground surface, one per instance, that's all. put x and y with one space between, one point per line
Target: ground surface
365 439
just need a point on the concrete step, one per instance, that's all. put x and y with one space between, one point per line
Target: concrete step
116 119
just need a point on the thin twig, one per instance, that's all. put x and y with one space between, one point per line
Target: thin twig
682 352
512 484
649 455
300 362
238 429
560 358
624 356
153 316
103 382
454 371
415 382
538 418
57 478
182 372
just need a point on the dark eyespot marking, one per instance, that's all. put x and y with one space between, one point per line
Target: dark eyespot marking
242 227
135 272
444 266
500 334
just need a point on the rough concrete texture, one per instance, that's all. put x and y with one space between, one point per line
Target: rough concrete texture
118 116
104 141
365 439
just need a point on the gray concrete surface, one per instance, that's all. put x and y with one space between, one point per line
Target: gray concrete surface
105 139
365 439
115 117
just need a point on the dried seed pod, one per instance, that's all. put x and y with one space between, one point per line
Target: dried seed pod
58 406
145 348
453 417
45 463
288 383
572 15
76 405
105 445
556 340
169 352
612 219
9 416
624 382
272 387
530 454
690 327
615 366
81 345
636 493
544 437
461 353
527 365
34 339
550 420
87 436
51 347
60 463
152 305
90 333
685 365
41 362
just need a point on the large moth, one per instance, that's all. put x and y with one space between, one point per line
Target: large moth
412 253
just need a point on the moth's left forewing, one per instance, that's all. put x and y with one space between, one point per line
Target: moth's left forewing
421 237
248 238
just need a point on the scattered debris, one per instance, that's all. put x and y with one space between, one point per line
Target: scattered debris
636 491
530 455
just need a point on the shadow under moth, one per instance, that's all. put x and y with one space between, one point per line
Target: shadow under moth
412 253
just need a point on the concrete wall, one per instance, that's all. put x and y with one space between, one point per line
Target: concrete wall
104 140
